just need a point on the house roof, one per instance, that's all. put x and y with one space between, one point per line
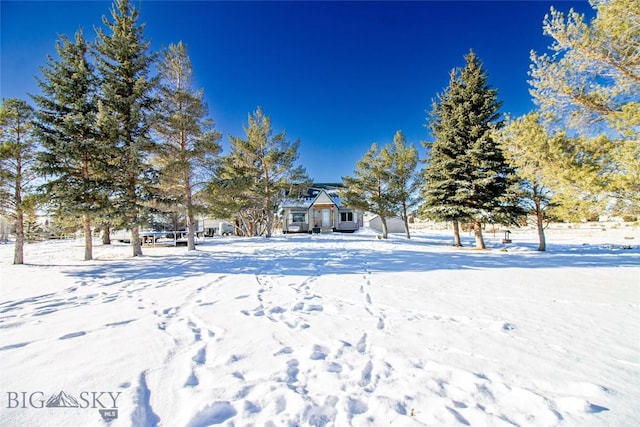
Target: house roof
314 194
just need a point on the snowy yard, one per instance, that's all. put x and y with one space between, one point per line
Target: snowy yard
325 330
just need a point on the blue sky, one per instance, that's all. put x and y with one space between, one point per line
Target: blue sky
337 75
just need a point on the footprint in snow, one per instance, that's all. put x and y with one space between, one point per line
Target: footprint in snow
72 335
121 323
356 406
365 379
170 311
192 381
12 346
319 353
362 344
201 356
314 307
277 310
284 350
334 367
235 358
216 413
251 408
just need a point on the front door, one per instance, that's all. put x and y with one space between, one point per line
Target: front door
326 218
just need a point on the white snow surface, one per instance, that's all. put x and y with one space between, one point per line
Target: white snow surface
326 330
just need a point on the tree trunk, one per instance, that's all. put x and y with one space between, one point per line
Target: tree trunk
269 225
405 218
191 225
456 234
477 231
88 238
267 211
106 234
86 220
136 246
191 231
542 245
385 232
18 254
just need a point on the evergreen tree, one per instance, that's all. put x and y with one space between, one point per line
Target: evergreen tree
528 148
126 102
404 183
445 166
73 158
189 146
593 73
263 167
467 177
370 187
576 174
17 167
590 83
232 194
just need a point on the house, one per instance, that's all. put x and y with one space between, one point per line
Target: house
320 210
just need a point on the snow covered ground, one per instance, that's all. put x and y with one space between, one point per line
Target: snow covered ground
325 330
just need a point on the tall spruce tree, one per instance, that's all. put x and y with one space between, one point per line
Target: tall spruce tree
370 187
17 167
124 62
72 158
445 166
189 144
467 178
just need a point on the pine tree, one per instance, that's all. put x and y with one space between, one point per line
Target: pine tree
402 160
263 167
590 83
467 178
126 102
232 194
189 144
370 187
73 158
576 174
17 167
593 73
528 148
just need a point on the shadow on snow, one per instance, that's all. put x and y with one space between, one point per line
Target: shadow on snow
345 254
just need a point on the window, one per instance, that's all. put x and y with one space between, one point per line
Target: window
297 217
346 216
